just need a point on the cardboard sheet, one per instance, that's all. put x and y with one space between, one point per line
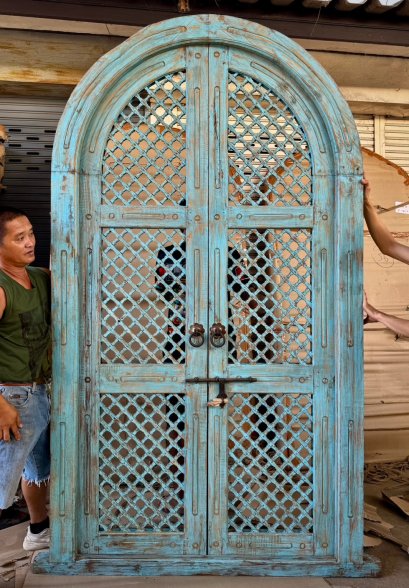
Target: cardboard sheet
387 287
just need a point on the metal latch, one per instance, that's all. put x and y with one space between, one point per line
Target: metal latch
222 398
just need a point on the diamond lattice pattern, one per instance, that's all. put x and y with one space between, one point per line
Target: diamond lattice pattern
144 159
270 463
270 161
142 463
143 292
270 296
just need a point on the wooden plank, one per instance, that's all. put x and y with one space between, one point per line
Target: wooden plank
48 58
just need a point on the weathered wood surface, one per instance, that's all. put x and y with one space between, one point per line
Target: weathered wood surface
33 57
143 465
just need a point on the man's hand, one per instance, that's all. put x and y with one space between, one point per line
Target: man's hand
10 422
370 312
367 190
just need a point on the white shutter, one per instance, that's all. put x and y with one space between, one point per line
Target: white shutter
366 129
31 123
396 141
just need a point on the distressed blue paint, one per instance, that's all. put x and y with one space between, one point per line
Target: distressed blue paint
207 170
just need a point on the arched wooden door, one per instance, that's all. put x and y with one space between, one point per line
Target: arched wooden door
207 261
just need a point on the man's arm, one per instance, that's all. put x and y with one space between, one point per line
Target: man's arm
379 232
9 416
397 325
3 302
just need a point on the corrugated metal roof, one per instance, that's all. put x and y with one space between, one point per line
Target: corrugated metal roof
401 7
382 22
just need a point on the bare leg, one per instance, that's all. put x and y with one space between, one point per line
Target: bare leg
36 499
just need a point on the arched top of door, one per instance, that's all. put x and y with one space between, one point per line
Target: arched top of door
305 84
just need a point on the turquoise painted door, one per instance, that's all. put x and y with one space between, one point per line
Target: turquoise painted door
207 296
208 360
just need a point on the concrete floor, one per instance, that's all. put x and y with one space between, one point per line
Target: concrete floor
395 566
184 582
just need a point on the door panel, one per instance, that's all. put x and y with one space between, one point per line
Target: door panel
263 481
271 312
205 216
270 475
143 291
267 147
150 278
144 163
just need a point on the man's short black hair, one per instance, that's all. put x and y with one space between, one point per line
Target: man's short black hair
7 214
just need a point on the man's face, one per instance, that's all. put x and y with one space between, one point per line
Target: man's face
18 243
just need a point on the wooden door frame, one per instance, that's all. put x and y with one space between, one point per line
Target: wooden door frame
337 144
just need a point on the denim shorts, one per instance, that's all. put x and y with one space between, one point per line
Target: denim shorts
29 457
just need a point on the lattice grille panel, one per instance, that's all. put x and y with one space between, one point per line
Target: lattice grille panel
142 463
270 160
144 160
143 292
270 463
270 296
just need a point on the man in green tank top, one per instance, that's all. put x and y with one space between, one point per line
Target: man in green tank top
24 371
